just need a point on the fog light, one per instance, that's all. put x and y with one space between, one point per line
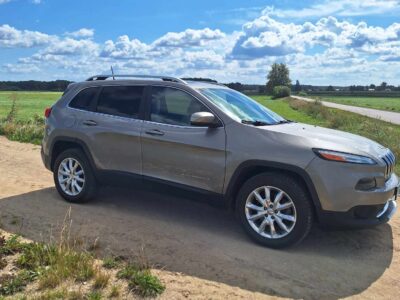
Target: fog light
366 184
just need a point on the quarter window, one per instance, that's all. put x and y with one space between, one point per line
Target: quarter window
123 101
84 99
172 106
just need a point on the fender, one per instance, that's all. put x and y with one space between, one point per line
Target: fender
81 143
246 169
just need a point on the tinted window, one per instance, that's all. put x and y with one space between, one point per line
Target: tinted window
84 98
121 101
172 106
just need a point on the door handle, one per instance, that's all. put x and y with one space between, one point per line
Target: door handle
90 123
154 132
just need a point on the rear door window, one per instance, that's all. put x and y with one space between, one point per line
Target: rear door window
84 99
123 101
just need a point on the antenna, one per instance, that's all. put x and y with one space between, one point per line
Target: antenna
112 72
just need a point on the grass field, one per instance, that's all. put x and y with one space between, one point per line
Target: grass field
382 103
28 103
27 127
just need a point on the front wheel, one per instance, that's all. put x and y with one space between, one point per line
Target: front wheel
73 176
274 210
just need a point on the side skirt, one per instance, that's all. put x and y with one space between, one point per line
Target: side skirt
135 181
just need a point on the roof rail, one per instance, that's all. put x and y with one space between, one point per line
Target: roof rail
163 78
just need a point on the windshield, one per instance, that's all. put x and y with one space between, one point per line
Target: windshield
241 107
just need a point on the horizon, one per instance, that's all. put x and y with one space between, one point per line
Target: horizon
338 43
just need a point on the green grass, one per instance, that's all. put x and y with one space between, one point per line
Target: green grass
282 108
382 103
141 281
28 103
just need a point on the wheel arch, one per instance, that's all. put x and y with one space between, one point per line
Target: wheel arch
251 168
63 143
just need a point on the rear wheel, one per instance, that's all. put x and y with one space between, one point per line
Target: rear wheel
274 209
73 176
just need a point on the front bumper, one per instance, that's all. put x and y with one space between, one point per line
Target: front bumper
335 185
360 216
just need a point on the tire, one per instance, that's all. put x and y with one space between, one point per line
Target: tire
294 197
88 186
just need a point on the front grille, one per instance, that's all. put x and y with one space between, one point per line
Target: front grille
390 162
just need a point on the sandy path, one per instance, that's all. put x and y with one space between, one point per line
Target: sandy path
388 116
200 240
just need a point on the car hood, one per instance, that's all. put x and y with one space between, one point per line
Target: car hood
324 138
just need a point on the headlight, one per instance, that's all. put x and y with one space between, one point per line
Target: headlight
343 157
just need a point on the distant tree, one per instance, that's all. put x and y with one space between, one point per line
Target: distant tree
199 79
236 86
297 87
330 88
33 85
278 76
372 86
382 86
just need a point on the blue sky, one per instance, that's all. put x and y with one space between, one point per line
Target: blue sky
338 42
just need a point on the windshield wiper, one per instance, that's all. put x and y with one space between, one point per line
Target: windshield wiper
255 123
285 121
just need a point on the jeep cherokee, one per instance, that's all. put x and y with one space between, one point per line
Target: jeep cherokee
277 175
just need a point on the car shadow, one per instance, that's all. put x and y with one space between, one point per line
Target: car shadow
205 241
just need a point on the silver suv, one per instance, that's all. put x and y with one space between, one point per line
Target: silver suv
277 175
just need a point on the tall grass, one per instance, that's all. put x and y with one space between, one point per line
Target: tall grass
30 131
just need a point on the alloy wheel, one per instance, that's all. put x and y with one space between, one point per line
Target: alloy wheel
270 212
71 176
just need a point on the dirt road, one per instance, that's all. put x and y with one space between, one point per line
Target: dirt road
388 116
200 240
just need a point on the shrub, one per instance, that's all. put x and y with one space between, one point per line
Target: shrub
145 284
11 246
280 91
11 284
302 94
141 281
111 262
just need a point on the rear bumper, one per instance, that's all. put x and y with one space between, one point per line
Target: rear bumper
360 216
45 159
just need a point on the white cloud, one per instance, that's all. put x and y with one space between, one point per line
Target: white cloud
4 1
36 1
11 37
124 48
81 33
20 68
345 8
70 46
266 36
189 38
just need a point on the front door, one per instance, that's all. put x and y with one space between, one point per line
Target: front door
173 150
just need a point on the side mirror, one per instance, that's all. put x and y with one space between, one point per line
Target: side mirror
204 119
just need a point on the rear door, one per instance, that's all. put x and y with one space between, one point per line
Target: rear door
112 129
173 150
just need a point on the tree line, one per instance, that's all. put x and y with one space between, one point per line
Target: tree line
278 83
34 85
